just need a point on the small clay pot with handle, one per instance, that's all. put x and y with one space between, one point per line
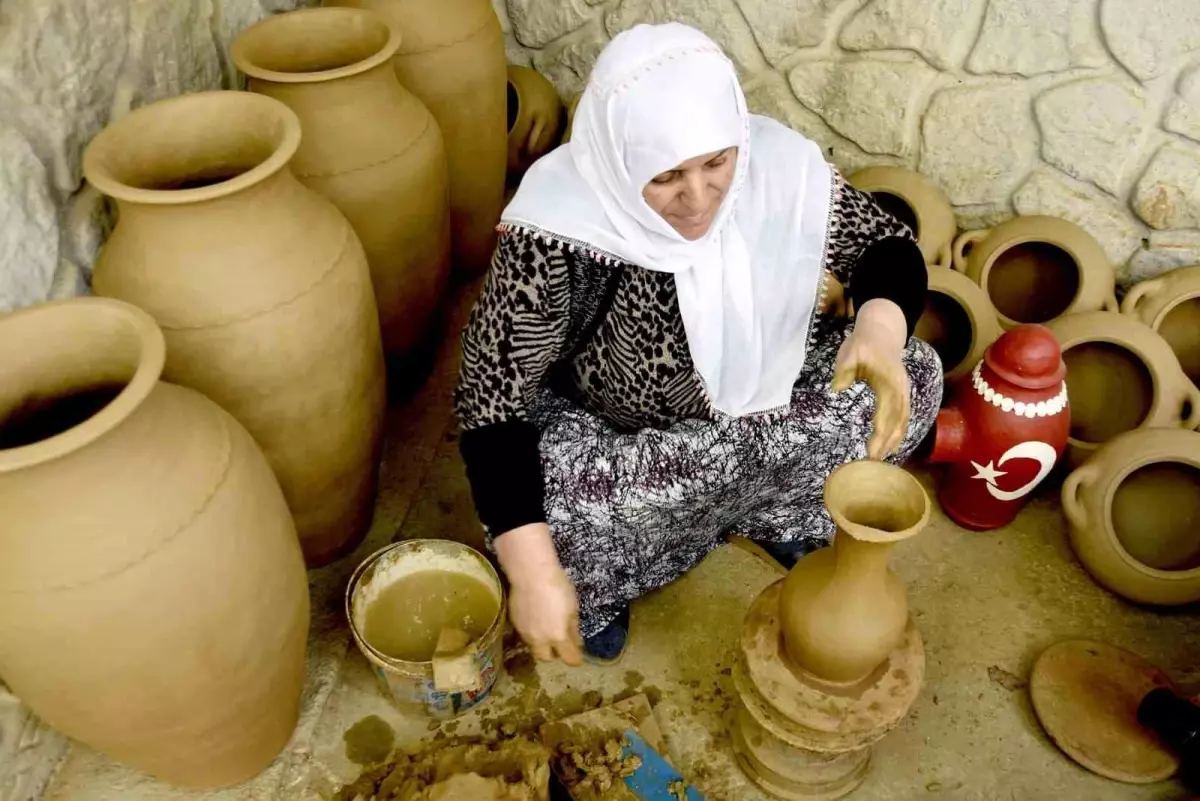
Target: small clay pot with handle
1170 304
535 118
1121 375
916 201
958 321
1134 512
1036 269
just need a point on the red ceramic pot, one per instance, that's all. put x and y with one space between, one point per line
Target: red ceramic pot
1004 429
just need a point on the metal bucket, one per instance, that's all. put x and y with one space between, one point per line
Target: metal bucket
410 685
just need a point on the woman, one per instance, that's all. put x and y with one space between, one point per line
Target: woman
646 369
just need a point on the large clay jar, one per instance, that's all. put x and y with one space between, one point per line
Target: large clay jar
1170 304
917 202
1121 375
261 288
535 118
958 321
1134 510
843 610
452 58
155 605
368 145
1035 269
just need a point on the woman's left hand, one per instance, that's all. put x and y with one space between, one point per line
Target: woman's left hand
873 353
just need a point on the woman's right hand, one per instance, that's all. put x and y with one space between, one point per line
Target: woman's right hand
542 604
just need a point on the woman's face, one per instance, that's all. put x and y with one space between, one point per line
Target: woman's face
688 196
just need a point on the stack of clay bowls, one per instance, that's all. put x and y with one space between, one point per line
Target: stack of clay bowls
1133 500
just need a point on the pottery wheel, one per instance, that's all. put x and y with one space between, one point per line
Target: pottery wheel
1086 695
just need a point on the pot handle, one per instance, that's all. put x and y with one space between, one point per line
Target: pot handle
1189 411
1071 504
945 256
967 239
1137 294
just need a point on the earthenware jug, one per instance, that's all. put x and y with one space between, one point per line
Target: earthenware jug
261 288
368 145
958 321
1170 304
843 610
1003 431
155 604
917 202
1121 375
1035 269
452 58
1134 510
535 118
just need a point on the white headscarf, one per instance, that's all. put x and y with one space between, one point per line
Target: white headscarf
658 96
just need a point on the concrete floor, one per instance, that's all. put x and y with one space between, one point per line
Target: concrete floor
986 604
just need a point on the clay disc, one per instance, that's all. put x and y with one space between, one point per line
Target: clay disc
1086 695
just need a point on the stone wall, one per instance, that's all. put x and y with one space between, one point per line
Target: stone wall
1082 109
66 68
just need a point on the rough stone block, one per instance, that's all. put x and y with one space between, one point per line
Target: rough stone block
979 141
171 51
229 19
28 229
537 23
1149 36
871 103
1183 113
1030 37
1163 252
720 19
568 62
59 62
934 29
1090 127
1049 192
782 28
29 750
1168 193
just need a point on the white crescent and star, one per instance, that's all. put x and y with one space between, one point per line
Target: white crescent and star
1043 454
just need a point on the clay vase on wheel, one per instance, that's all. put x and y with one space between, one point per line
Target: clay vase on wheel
535 118
918 203
1134 510
958 321
452 58
843 610
155 604
261 288
1036 269
1170 304
368 145
1121 375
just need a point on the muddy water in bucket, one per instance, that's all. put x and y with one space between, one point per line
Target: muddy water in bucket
402 599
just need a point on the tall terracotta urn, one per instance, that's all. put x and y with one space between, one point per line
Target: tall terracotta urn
368 145
153 599
1121 375
452 58
536 118
261 288
1134 509
918 203
1170 304
1036 269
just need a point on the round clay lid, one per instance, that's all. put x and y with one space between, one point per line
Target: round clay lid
1086 695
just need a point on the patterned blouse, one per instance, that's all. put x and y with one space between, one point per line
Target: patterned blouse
609 335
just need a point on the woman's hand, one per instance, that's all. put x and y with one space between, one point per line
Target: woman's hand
542 604
873 353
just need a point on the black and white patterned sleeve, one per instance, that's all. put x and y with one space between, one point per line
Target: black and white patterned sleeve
516 332
874 254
